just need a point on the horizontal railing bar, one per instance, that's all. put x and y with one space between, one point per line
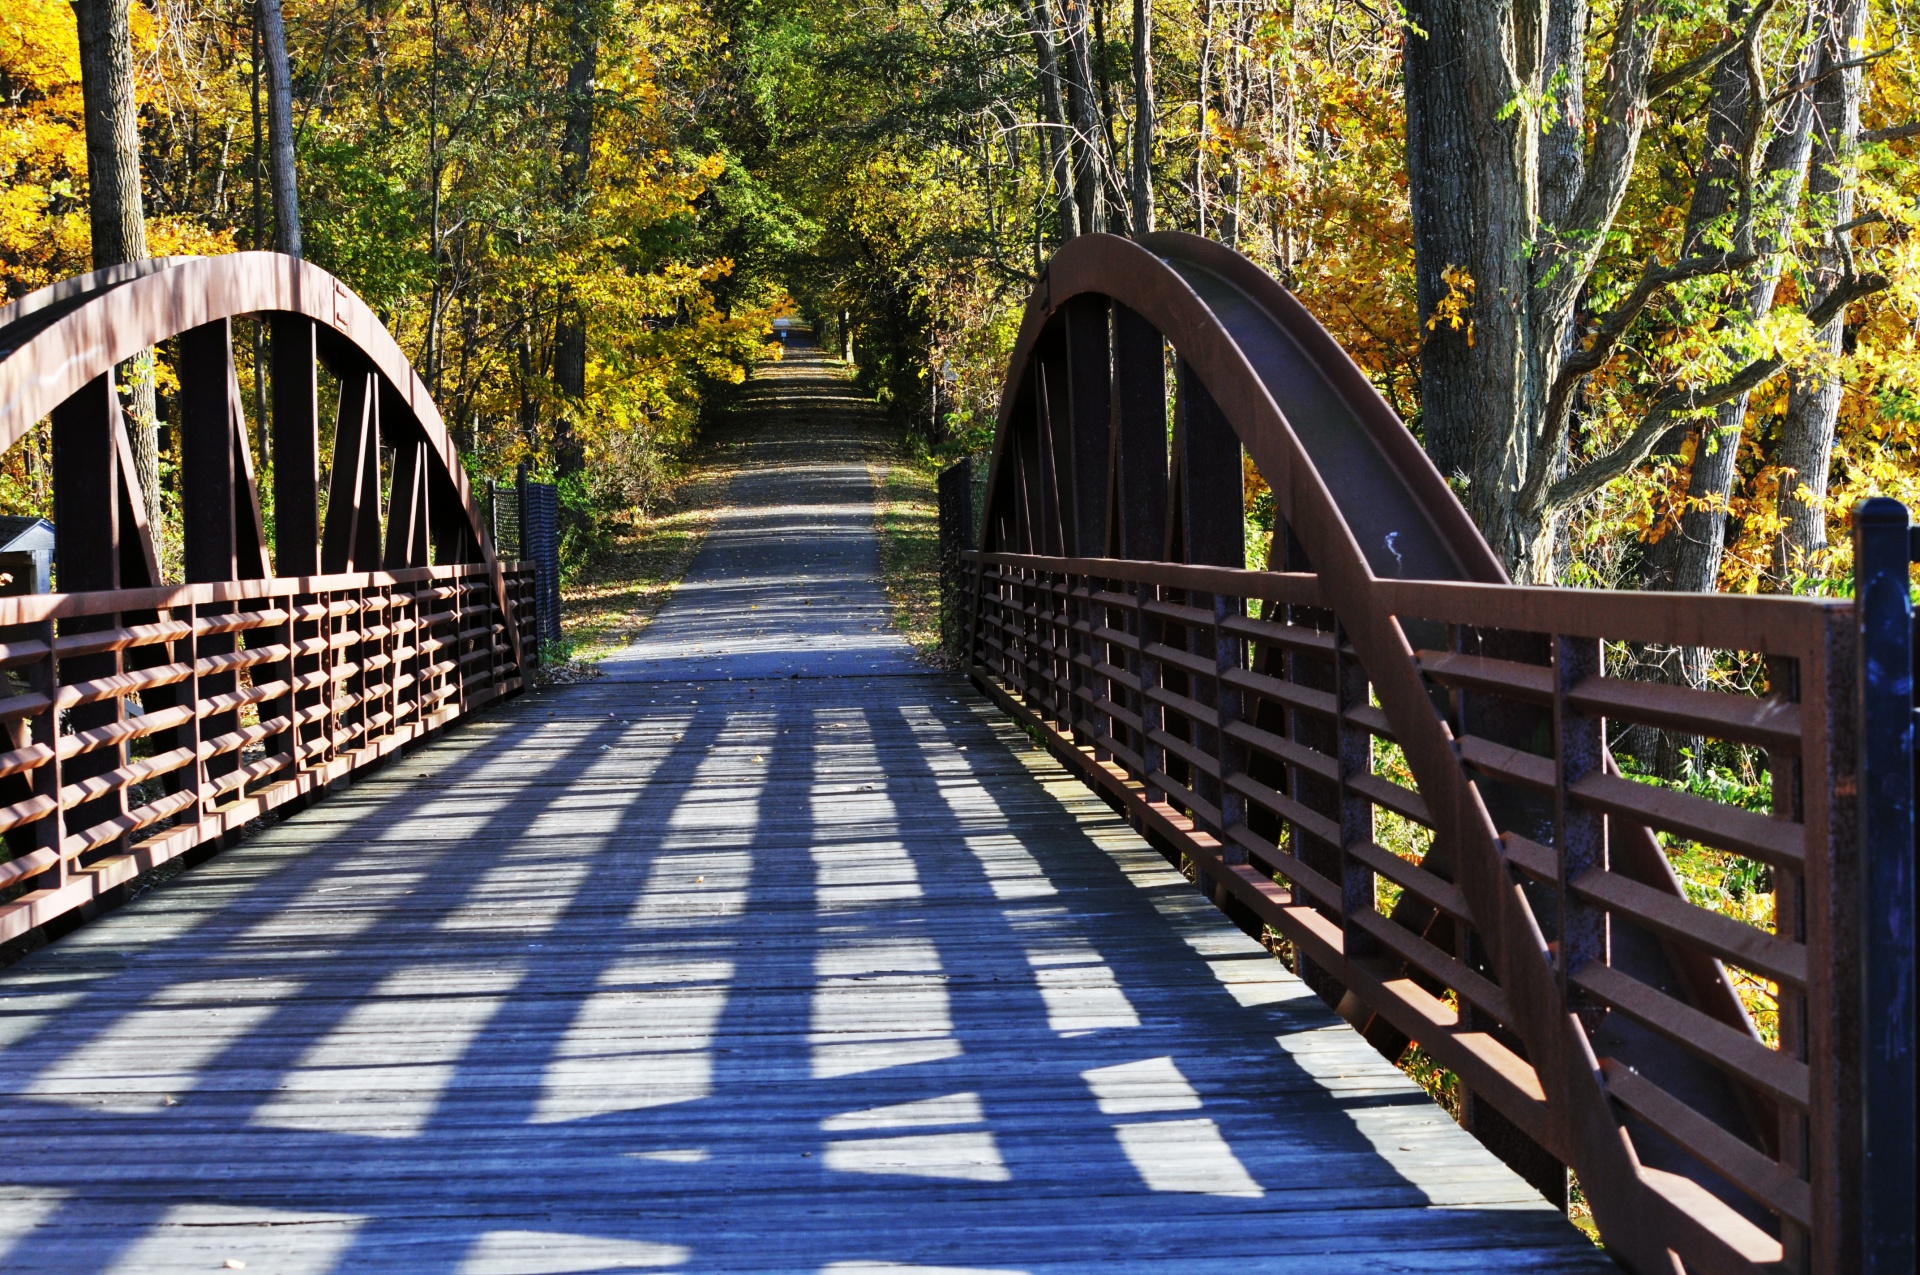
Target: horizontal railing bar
1737 1053
1531 683
1766 625
1672 917
1382 791
1474 988
1768 722
1778 842
1292 588
1293 695
1414 879
38 607
1297 637
1752 1170
126 824
1307 820
1287 751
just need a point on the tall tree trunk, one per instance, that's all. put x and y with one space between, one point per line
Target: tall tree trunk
116 212
1143 117
1119 215
1067 204
436 308
1083 106
1234 89
1813 398
1688 559
1202 122
286 191
1509 211
1471 175
570 328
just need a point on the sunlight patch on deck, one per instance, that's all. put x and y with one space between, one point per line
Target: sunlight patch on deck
956 1108
967 1157
694 887
1188 1157
1011 870
524 892
644 1040
26 1209
150 1053
879 1003
343 905
1079 990
897 1268
556 1252
1152 1084
381 1071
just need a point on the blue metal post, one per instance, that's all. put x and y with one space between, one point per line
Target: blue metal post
1884 544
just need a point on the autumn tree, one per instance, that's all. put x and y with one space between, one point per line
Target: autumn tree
115 206
1512 207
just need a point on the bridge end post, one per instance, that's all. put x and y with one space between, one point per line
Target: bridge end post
1884 544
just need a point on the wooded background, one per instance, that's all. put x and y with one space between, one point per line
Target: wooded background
1640 273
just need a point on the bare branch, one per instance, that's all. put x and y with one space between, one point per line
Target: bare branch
1596 474
1667 81
1835 69
1896 133
1654 278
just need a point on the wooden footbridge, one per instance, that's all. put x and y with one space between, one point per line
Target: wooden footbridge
777 950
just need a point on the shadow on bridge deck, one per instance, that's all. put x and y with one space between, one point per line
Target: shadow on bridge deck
818 973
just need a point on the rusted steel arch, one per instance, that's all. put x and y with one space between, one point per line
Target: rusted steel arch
1336 446
58 344
1082 470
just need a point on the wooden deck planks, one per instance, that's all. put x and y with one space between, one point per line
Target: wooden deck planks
824 974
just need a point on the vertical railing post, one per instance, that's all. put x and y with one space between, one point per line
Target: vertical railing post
1153 714
1580 832
1353 749
1229 753
49 832
191 730
1884 544
1099 716
330 687
1136 664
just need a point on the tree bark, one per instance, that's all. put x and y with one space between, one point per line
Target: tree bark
116 211
286 191
1119 214
1813 397
1510 215
1687 559
576 170
1067 204
1471 176
1083 106
1143 117
1201 106
1233 87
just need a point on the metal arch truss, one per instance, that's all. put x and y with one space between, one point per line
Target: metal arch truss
143 719
1388 757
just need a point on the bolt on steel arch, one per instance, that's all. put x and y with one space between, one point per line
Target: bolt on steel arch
145 719
1387 756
